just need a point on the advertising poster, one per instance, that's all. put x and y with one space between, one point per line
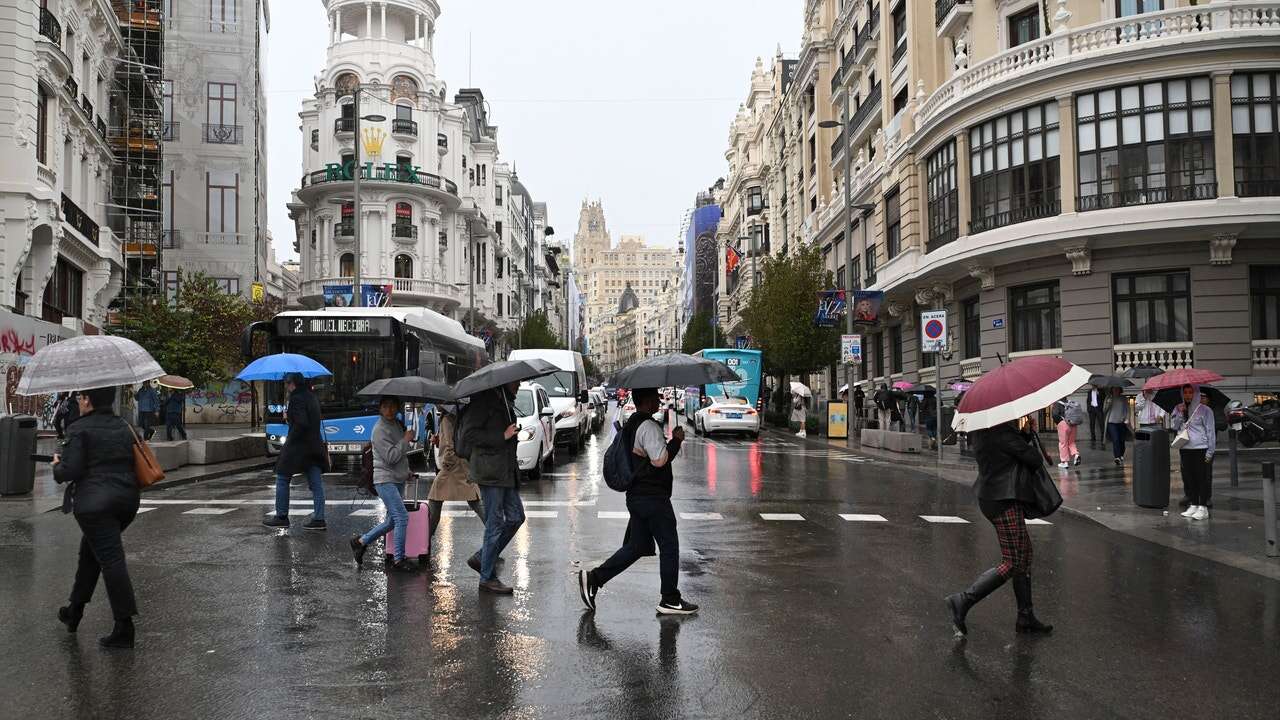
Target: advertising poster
866 306
343 296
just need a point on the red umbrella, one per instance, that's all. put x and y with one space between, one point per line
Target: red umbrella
1180 377
1015 389
903 385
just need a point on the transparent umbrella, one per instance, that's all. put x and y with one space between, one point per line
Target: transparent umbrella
86 363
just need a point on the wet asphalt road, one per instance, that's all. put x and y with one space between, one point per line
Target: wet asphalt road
801 618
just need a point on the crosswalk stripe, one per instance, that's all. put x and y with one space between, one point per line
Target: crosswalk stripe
145 509
944 519
541 513
701 516
781 516
613 515
208 511
856 517
1038 521
365 512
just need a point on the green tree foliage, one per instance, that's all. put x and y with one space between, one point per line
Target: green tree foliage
536 332
197 337
697 335
779 315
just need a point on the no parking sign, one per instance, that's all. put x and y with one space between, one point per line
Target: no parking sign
933 331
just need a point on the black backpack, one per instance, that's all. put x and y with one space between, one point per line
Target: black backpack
366 470
618 471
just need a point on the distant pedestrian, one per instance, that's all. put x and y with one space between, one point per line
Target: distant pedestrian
798 414
884 403
1063 412
66 411
489 428
652 519
1116 412
1003 454
1097 420
929 416
859 399
304 452
1150 415
96 462
453 481
1196 457
175 408
391 443
912 413
148 402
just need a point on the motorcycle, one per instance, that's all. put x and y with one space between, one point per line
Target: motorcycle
1255 424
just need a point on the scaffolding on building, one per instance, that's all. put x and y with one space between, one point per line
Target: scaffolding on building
135 135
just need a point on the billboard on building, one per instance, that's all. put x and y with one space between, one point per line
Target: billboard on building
701 263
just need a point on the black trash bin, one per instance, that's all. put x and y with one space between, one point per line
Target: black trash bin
1151 468
17 443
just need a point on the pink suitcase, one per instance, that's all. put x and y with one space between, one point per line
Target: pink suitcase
417 542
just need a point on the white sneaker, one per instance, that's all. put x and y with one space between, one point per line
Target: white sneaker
1064 465
1202 513
1191 510
801 434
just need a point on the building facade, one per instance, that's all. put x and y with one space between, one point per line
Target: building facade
1098 181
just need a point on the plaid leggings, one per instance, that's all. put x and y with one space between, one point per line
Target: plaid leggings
1015 543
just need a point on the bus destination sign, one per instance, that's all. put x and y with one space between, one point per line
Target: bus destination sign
336 326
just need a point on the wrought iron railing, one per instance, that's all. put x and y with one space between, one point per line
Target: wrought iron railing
72 87
50 27
1257 188
404 231
871 105
1148 196
400 174
404 127
942 8
872 25
101 126
216 134
79 220
344 124
86 106
346 228
1014 216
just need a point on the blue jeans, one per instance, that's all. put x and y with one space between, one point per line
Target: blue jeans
392 495
652 521
1116 431
503 516
315 479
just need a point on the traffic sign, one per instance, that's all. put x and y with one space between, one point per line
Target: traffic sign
259 292
851 349
933 331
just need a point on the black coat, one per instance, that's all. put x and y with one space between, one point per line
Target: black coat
304 446
97 462
484 422
999 451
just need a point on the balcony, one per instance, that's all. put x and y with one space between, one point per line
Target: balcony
869 107
223 134
837 146
72 87
1166 356
86 106
344 125
50 28
404 231
440 296
952 16
971 368
1148 196
442 143
315 139
899 52
404 127
335 174
345 229
1266 355
223 238
1015 216
1257 188
101 126
78 219
169 132
868 38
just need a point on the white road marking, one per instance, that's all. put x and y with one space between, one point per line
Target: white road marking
855 517
365 512
208 511
145 509
781 516
542 513
1038 521
613 515
944 519
460 514
701 516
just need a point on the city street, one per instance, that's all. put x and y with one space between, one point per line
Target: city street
820 573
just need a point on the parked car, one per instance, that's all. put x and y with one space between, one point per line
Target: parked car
727 414
611 393
629 407
536 449
599 409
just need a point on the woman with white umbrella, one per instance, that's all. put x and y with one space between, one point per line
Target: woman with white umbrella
799 399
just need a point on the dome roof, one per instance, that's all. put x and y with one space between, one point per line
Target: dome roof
629 301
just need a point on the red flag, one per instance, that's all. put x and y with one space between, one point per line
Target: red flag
731 258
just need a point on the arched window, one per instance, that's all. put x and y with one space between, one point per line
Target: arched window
404 266
347 265
346 84
404 87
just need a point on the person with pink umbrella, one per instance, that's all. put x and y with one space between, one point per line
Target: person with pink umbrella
1193 419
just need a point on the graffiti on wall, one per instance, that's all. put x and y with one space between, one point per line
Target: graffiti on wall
20 338
229 402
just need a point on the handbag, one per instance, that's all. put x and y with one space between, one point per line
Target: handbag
1182 438
145 465
1038 493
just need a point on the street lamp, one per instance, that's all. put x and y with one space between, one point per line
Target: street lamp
864 209
357 289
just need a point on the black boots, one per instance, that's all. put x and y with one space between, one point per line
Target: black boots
121 636
1027 622
70 616
960 603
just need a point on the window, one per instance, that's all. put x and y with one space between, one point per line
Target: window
892 223
1256 132
221 109
899 16
900 101
497 227
972 328
871 265
347 265
404 266
855 273
1264 296
755 200
1125 8
1035 317
895 349
1152 307
172 281
1024 26
42 125
499 294
222 13
498 269
877 353
222 206
944 216
404 112
1148 143
166 211
497 195
230 286
64 293
1014 168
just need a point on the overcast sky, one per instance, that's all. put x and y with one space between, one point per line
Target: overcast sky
629 103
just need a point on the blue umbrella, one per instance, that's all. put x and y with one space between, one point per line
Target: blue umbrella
275 367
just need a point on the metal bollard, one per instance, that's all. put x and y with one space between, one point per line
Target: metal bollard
1269 506
1235 464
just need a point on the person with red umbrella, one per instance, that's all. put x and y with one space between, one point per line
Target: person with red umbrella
1195 417
1011 484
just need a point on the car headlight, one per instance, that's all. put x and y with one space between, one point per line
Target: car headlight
566 414
526 434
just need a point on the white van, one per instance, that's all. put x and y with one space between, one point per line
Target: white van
567 389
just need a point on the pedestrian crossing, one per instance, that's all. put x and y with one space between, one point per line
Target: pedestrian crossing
373 509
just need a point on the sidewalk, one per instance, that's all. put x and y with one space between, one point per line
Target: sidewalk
1100 491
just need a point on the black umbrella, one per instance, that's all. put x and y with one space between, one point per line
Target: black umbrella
502 373
1170 397
1109 381
415 389
1142 372
674 370
918 389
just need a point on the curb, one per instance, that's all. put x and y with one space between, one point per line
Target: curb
211 475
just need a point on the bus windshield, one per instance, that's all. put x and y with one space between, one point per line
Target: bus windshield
558 384
354 364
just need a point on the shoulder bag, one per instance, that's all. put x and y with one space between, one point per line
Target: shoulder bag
145 465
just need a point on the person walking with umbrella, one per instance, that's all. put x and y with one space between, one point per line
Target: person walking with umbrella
798 414
1116 413
391 442
1011 483
453 481
489 429
304 452
1194 416
175 406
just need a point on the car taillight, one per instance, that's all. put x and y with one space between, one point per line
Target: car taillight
713 411
749 411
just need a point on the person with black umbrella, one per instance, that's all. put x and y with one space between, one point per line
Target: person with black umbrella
489 430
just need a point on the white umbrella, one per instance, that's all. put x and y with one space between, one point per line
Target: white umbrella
843 389
86 363
800 389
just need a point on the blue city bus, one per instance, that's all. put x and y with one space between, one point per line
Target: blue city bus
748 364
360 345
